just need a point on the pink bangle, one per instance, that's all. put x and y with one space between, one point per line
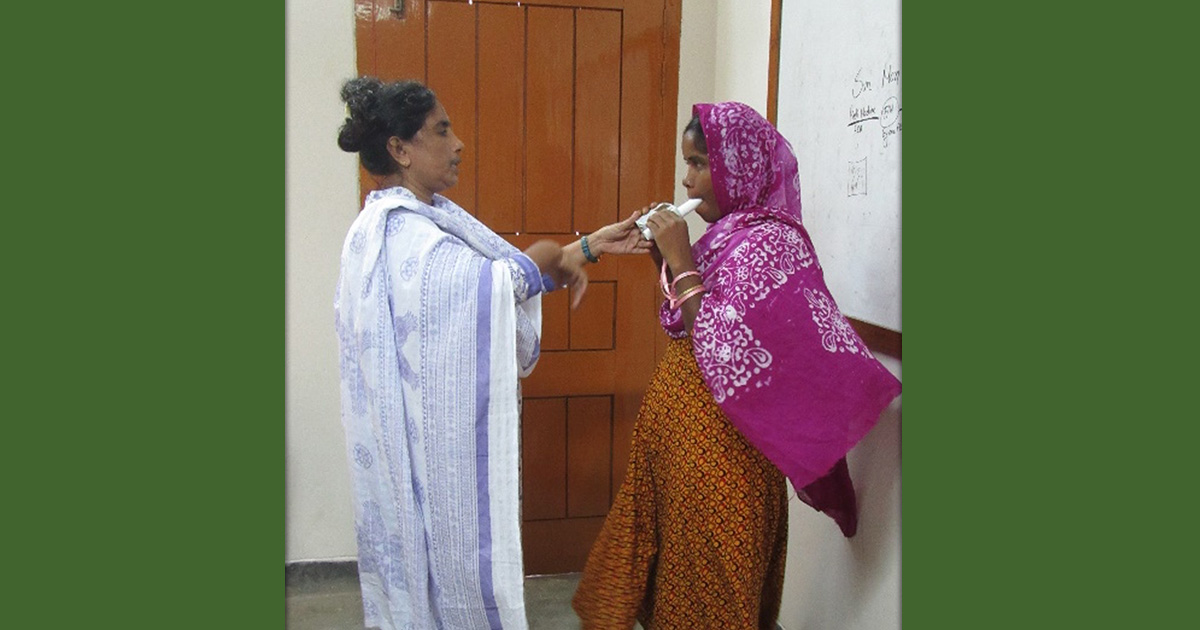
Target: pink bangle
681 277
668 289
691 291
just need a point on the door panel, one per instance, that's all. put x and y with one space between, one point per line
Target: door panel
597 118
589 455
451 32
500 144
592 328
544 431
567 110
558 546
550 118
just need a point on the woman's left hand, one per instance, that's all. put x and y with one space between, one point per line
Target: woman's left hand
622 237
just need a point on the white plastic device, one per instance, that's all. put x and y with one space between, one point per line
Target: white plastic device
682 210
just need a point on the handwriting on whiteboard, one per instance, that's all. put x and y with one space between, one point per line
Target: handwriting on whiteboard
858 178
874 105
875 98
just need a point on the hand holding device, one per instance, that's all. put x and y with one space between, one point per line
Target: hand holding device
682 210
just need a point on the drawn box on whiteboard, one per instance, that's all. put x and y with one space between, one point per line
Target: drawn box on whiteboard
858 178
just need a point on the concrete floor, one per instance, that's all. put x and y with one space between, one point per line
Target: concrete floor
333 602
327 597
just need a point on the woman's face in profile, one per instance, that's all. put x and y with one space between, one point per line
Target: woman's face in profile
698 180
435 152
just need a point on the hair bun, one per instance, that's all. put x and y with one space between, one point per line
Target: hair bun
361 98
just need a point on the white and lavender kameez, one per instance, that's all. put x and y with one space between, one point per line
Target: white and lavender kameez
437 318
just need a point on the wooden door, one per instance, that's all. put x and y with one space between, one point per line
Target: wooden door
567 110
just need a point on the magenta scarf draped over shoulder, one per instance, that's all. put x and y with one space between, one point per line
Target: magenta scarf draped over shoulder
778 355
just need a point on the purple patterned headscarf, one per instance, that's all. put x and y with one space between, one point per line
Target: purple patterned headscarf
782 362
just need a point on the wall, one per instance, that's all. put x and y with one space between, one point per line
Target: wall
742 47
322 196
831 583
723 53
697 81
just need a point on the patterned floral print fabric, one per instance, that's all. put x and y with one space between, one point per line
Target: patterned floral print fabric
437 318
697 536
773 346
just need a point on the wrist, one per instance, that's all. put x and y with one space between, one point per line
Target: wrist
598 245
591 249
680 265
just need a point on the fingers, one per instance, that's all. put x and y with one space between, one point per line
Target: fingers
625 237
670 232
578 288
659 221
628 222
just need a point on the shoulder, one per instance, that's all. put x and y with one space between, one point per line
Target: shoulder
411 233
765 233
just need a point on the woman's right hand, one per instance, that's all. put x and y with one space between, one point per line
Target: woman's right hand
622 237
672 240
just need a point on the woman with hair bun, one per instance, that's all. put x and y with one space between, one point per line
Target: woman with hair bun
438 318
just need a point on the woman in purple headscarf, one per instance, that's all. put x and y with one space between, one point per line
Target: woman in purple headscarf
763 379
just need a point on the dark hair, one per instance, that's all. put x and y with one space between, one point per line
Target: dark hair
379 111
693 127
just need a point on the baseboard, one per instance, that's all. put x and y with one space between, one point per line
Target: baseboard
297 573
879 339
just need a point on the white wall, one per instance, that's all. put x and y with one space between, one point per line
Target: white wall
743 47
832 583
851 583
724 51
697 82
322 199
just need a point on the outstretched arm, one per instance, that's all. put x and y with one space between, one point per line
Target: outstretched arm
622 237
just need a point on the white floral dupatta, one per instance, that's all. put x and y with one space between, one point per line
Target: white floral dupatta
435 331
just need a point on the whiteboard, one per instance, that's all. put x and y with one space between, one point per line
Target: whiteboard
839 106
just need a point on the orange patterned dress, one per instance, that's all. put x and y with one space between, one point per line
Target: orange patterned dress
698 533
